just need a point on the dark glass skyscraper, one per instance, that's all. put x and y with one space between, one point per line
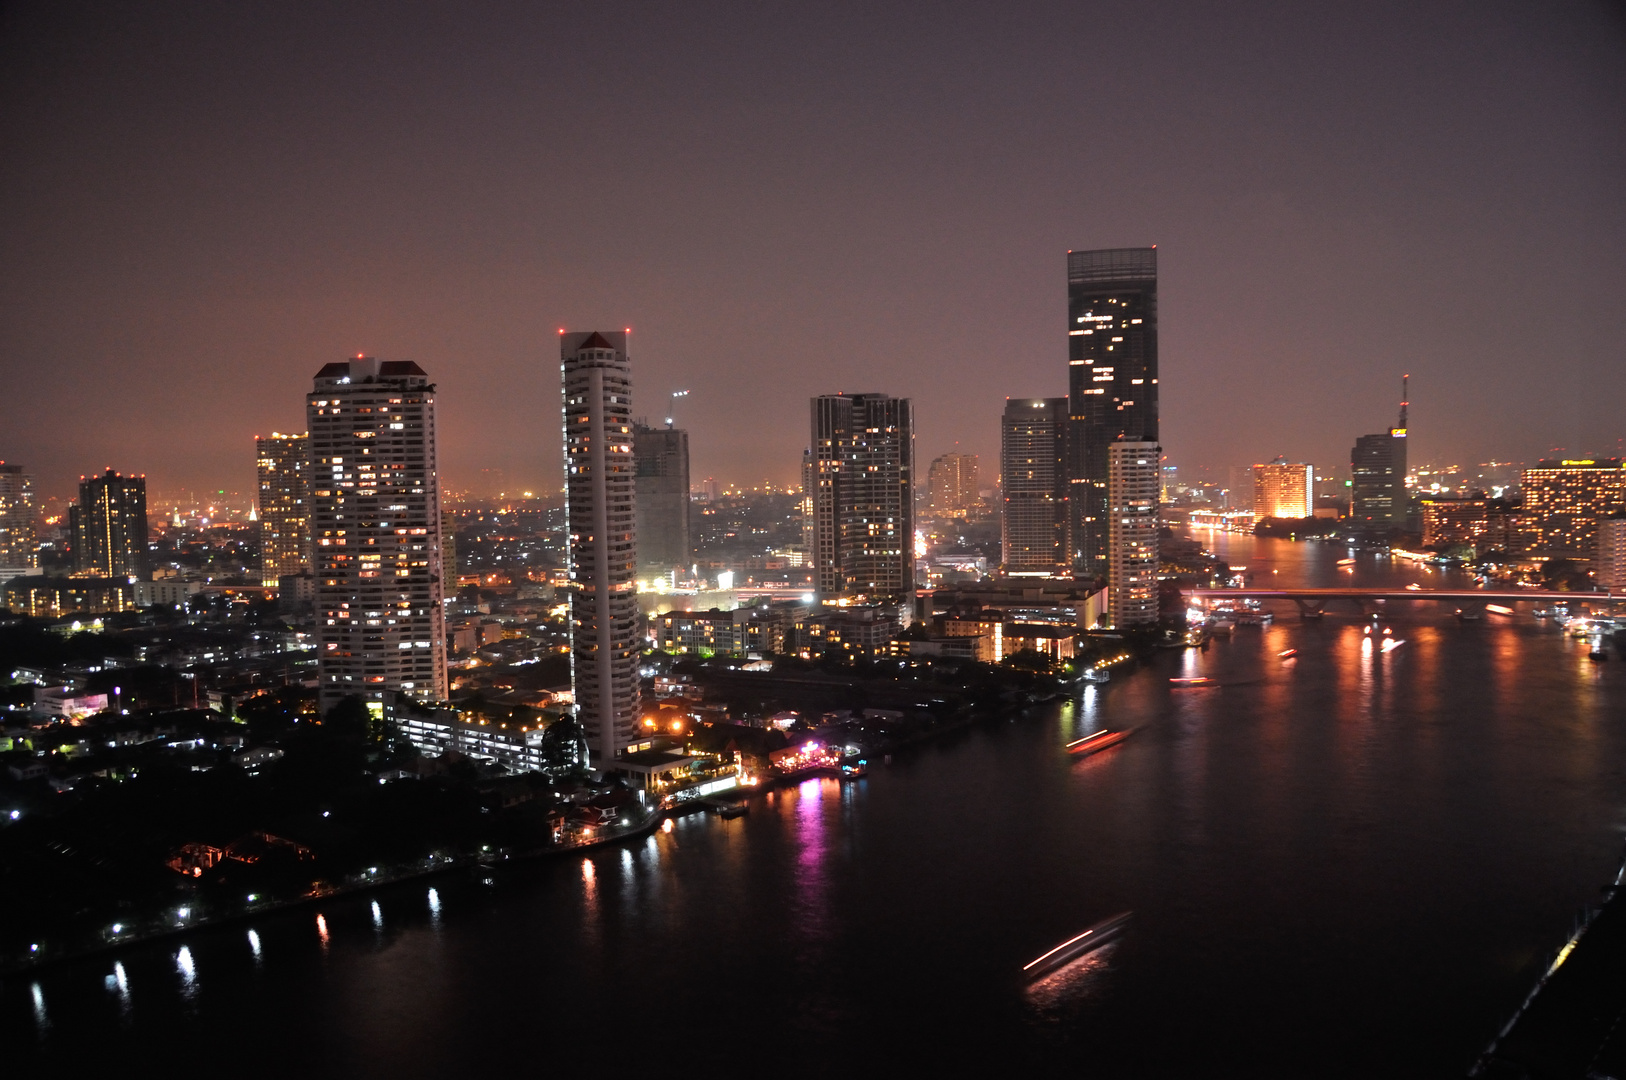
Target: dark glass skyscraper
1377 466
661 456
1112 381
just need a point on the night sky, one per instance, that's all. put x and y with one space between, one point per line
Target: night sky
201 204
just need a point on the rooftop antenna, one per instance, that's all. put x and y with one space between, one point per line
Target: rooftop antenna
1405 382
671 406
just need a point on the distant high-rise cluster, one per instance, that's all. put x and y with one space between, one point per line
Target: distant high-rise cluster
17 543
375 529
109 527
951 485
1283 490
859 481
283 463
662 459
1059 457
600 496
1033 473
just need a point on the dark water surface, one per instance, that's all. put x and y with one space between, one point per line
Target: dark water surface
1350 863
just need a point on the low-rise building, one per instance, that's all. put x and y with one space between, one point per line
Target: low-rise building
436 729
52 597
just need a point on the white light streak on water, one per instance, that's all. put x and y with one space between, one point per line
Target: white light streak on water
188 970
434 905
39 1007
378 916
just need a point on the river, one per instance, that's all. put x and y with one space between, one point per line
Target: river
1351 862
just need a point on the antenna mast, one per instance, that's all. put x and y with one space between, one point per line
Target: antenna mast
1405 395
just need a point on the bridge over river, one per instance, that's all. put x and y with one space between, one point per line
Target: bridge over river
1312 603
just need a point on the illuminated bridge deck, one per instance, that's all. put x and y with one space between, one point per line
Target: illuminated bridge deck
1478 596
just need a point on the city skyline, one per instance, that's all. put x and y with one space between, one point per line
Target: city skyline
1302 174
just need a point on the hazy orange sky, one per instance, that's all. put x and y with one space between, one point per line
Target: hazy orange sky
204 203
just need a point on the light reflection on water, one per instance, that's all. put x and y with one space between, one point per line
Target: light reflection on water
1072 984
1319 852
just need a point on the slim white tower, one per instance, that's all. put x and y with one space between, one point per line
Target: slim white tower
375 530
601 509
1132 482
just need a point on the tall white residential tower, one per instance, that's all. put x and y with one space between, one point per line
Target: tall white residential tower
1132 489
375 532
601 509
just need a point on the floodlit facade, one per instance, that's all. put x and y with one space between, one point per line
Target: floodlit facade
951 485
1564 500
284 466
662 459
1486 525
1283 490
600 499
1112 382
375 531
18 549
1132 484
109 527
859 483
1033 471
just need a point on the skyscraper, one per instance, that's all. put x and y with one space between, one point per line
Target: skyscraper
951 484
109 526
1611 554
1377 465
1132 485
662 458
1283 490
1564 500
284 465
859 473
1112 382
375 529
17 545
448 551
600 497
1033 471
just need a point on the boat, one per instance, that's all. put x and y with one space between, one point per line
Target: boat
1198 680
1346 562
853 770
1288 654
1074 947
1469 614
1091 744
734 810
1498 609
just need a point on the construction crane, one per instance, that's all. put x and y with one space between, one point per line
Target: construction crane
671 406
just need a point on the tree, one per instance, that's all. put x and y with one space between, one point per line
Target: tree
564 745
348 718
1029 660
1563 575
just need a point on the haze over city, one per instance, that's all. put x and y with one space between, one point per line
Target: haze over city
205 205
1072 539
